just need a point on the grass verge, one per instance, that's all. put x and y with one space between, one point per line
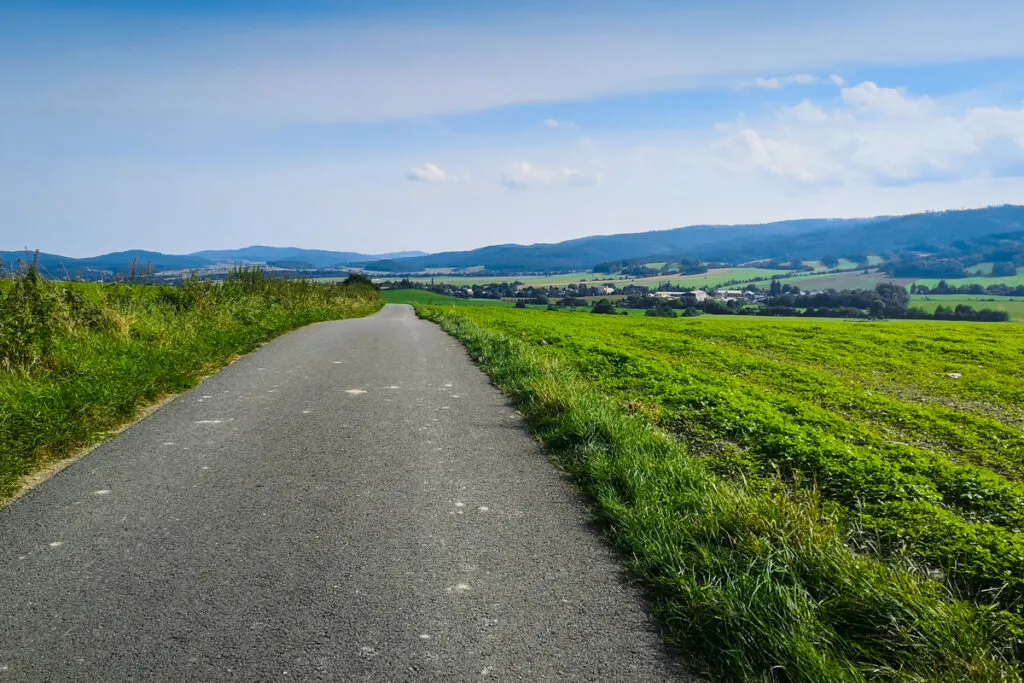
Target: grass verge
79 360
750 584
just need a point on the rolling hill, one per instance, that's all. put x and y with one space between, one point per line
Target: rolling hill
55 265
319 258
807 239
798 239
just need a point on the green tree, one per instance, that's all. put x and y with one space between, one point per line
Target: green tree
358 280
895 299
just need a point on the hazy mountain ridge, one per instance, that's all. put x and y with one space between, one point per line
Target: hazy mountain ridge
56 265
320 258
796 239
805 239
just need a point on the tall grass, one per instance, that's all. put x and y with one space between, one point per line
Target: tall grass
77 360
751 584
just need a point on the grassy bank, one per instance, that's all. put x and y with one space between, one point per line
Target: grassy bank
756 567
77 360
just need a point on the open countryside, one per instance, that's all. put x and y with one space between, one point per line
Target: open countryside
618 341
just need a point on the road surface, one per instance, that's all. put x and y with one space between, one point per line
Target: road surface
353 501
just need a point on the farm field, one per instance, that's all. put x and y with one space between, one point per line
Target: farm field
867 280
851 280
1012 305
419 296
713 278
1012 280
826 484
469 280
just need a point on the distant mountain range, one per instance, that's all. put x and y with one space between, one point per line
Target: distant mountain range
316 257
55 265
809 239
798 239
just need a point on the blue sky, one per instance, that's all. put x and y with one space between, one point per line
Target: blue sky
408 125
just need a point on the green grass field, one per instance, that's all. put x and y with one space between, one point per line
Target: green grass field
851 280
470 280
418 296
78 360
815 497
1012 305
1013 280
713 278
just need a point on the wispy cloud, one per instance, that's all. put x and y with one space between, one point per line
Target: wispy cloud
551 123
373 70
522 175
432 173
777 82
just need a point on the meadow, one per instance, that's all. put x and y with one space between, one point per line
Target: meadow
79 360
803 499
419 296
1012 305
984 281
857 279
546 280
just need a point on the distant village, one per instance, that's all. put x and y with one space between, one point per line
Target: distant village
581 294
770 298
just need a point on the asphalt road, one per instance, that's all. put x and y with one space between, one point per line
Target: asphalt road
353 501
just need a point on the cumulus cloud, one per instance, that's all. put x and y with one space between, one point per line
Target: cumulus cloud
869 96
805 112
777 82
837 80
876 135
522 175
431 173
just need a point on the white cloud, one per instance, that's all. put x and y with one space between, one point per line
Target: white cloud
777 82
877 135
522 175
551 123
837 80
805 112
432 173
891 101
340 70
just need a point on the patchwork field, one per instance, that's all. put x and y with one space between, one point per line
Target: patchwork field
843 500
849 280
712 278
715 277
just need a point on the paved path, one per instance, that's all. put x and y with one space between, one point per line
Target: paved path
353 501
